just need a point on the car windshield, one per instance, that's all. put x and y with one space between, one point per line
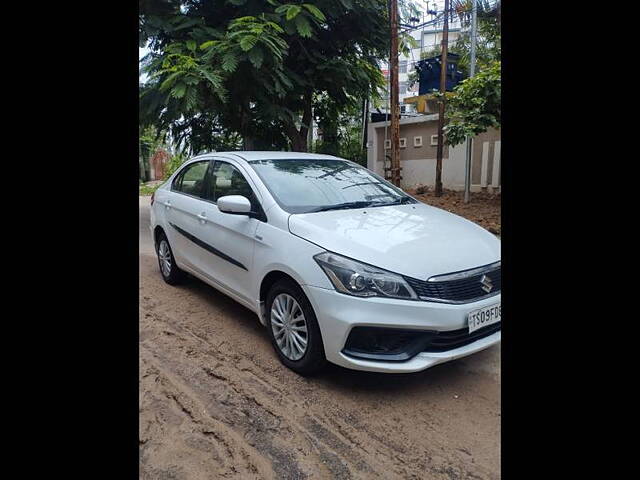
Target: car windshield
304 186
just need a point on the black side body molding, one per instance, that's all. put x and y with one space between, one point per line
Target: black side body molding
208 247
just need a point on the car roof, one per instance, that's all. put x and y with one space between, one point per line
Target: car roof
266 155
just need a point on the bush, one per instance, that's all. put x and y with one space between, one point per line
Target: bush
174 163
146 190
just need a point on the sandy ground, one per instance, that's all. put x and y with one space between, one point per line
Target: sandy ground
215 402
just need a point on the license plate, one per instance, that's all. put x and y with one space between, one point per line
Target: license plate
484 316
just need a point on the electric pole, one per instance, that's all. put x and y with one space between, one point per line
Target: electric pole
443 89
365 123
472 71
395 107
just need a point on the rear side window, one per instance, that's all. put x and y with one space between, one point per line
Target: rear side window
227 180
191 180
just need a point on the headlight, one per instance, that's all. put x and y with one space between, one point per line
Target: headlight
362 280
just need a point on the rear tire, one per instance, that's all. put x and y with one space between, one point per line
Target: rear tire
167 263
293 329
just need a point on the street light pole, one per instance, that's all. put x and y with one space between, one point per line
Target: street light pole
472 71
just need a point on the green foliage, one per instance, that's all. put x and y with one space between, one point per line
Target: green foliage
147 190
254 67
341 129
474 106
351 143
150 139
406 43
488 39
173 164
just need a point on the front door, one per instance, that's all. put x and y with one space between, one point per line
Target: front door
230 236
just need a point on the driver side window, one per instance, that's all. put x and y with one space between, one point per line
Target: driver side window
192 179
227 180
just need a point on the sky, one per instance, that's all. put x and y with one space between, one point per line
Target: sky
141 53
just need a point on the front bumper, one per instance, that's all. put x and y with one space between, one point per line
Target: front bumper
338 314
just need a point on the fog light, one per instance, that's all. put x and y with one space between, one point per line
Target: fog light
391 344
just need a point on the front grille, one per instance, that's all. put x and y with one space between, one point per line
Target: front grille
460 288
449 340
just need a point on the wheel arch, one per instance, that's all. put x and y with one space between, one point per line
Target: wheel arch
156 234
268 281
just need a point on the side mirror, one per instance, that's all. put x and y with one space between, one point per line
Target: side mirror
234 204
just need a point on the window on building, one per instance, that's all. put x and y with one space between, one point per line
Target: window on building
403 87
402 66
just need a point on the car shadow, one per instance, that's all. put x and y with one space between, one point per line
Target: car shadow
247 319
341 378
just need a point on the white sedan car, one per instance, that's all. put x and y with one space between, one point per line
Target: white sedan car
337 263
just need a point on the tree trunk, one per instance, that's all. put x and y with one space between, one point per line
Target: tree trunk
299 142
248 143
299 137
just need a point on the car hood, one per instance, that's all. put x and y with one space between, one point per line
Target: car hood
416 240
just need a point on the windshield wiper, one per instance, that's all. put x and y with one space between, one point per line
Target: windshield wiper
400 201
341 206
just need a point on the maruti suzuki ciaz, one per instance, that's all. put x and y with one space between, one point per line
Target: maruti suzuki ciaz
338 264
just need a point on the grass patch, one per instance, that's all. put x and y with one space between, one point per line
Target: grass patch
147 190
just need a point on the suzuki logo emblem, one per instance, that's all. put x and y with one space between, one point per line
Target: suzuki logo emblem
487 284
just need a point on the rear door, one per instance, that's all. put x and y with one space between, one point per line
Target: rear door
232 237
184 210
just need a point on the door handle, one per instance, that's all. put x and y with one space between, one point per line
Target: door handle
202 217
167 204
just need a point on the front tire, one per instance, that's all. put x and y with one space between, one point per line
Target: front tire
167 263
293 329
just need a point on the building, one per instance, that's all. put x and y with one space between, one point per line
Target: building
418 146
428 35
418 132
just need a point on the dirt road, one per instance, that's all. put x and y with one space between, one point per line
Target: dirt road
216 403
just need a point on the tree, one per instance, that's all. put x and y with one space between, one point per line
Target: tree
341 129
254 66
488 39
488 44
149 141
474 106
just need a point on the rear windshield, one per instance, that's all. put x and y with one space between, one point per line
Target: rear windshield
303 186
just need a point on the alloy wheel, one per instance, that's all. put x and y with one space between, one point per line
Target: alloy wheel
289 327
164 256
